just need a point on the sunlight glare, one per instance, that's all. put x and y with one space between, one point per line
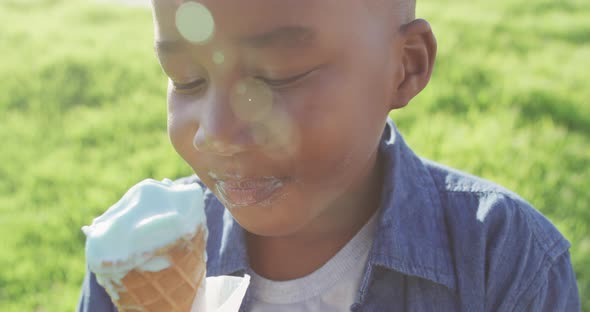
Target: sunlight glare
194 22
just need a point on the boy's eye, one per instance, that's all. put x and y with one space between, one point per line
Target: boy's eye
285 81
191 86
196 84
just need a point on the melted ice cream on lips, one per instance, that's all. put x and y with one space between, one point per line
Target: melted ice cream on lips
150 216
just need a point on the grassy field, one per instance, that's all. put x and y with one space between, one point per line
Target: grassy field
82 118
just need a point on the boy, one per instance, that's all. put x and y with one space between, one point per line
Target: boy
281 107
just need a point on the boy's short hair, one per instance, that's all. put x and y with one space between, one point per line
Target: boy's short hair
406 10
402 11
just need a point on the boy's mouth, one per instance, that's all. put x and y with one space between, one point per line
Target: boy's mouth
247 191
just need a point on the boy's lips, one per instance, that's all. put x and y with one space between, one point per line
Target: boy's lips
248 191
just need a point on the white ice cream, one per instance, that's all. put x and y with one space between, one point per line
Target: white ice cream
151 215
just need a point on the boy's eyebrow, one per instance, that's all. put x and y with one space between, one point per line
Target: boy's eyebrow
279 37
283 36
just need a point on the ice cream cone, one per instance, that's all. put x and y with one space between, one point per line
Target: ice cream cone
172 289
148 249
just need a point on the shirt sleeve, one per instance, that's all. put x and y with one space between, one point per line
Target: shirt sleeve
93 297
559 291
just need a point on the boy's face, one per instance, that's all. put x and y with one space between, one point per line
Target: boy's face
281 110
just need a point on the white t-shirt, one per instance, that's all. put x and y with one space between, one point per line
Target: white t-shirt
333 287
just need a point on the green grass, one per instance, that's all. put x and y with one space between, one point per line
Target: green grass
82 117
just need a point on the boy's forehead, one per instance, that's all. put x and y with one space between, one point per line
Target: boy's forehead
239 17
239 13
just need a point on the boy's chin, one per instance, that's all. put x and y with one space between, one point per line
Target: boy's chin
268 226
286 215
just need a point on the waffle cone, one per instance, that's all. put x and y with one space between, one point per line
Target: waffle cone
172 289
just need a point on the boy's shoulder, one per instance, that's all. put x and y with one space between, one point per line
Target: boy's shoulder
468 200
464 232
496 238
457 201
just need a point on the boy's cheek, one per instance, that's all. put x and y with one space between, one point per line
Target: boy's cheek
181 133
182 105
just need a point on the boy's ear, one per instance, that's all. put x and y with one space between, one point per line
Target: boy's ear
417 61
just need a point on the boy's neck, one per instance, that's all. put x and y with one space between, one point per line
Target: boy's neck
299 254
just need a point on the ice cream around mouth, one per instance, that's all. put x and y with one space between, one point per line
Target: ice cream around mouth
149 217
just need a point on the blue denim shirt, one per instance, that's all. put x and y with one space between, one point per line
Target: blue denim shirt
446 241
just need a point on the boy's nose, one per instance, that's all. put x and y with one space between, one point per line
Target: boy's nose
229 116
214 140
219 131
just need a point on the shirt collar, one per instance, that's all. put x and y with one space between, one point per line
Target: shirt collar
410 234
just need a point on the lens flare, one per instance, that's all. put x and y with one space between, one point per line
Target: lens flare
277 134
194 22
218 57
251 100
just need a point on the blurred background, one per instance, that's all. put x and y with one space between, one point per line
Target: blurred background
82 118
